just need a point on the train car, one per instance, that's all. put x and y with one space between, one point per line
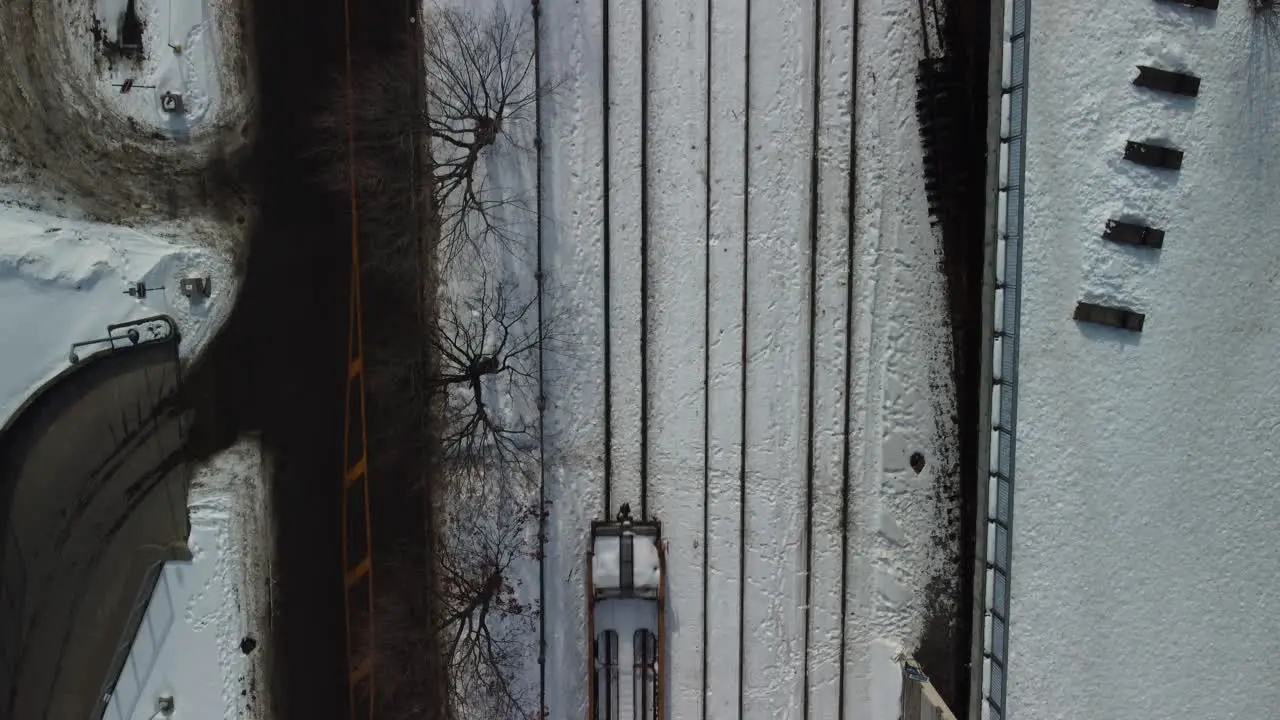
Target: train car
625 619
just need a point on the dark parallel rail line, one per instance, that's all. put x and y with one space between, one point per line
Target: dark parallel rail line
845 460
814 177
742 460
644 259
608 326
542 396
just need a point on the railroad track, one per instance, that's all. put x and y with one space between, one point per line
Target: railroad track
634 187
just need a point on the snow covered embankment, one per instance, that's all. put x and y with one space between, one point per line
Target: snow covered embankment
199 639
63 281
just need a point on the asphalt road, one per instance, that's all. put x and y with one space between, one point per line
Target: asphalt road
94 494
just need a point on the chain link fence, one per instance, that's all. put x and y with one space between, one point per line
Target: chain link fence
1005 354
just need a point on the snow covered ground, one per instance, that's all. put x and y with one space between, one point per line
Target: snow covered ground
71 138
200 639
729 282
74 150
63 281
1144 577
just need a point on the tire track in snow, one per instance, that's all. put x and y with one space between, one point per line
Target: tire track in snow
816 111
742 452
847 425
830 250
706 377
542 388
644 259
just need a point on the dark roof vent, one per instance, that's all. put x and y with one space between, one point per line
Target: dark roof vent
1126 233
1203 4
1122 318
1156 156
1167 81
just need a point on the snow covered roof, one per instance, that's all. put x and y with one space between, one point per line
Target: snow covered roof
626 564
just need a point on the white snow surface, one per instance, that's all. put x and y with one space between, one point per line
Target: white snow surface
606 571
203 72
886 680
63 281
189 643
1146 519
696 330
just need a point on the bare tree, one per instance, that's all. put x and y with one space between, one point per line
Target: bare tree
487 631
487 345
481 92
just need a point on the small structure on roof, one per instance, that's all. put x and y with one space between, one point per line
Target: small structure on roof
140 289
1116 317
1127 233
195 287
1156 156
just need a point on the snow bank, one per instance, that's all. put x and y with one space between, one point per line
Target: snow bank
199 639
1147 511
63 281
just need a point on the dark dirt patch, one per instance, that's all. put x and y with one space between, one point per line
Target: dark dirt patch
955 92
